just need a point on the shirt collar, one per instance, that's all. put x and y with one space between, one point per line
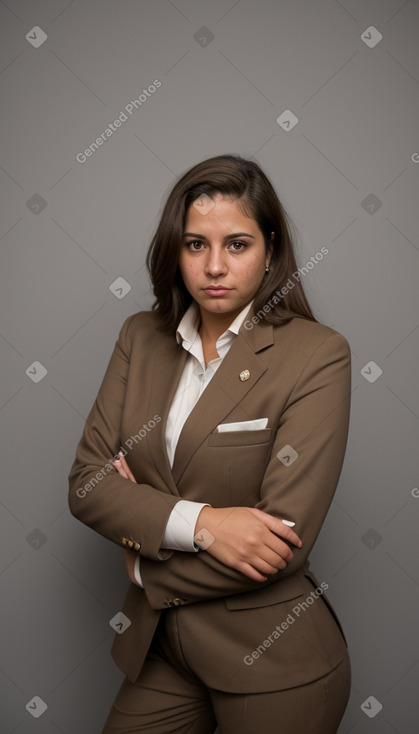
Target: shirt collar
188 326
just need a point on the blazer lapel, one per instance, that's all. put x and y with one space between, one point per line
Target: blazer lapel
220 397
223 393
168 365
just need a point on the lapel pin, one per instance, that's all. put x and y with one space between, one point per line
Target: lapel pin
244 375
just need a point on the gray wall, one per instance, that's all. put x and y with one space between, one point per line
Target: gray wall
347 172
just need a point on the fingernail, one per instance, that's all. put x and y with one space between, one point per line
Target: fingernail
289 523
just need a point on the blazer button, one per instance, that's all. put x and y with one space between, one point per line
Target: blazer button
124 541
130 543
175 602
137 546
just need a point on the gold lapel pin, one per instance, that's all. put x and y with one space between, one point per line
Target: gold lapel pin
244 375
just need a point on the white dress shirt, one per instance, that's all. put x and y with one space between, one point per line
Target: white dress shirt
180 528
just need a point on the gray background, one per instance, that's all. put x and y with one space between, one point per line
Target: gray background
60 583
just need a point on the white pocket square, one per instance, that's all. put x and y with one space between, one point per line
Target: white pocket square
256 425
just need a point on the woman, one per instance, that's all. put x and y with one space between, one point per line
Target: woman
226 409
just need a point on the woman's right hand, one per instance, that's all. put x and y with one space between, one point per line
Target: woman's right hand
246 539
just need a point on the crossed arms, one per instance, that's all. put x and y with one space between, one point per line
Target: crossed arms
251 544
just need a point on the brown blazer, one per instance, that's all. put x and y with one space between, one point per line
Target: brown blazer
236 629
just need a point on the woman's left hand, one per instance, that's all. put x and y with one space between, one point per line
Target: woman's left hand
123 469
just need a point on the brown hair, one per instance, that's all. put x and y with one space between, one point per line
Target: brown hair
243 180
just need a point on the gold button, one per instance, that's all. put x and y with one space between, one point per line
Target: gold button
244 375
137 546
130 543
175 602
124 541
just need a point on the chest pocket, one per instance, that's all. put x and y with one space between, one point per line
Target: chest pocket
245 455
240 438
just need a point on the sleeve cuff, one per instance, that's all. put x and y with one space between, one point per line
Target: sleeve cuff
180 528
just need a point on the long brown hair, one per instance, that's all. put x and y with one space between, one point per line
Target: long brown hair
243 180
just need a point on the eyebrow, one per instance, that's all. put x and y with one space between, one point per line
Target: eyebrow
227 237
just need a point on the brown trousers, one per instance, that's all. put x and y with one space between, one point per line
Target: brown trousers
167 698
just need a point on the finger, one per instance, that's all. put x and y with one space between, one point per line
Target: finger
119 469
284 531
269 562
266 560
277 526
272 561
280 550
126 468
266 569
293 538
123 468
251 572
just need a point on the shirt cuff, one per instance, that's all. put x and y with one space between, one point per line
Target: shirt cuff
137 571
180 528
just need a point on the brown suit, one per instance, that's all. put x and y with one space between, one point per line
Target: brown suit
300 379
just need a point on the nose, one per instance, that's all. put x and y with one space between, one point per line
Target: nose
215 262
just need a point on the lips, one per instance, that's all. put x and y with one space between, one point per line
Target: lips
216 291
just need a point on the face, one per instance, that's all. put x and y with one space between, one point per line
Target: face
222 247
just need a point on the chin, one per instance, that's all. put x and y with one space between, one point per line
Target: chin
222 305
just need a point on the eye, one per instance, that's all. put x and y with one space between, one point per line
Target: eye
191 245
241 245
196 245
